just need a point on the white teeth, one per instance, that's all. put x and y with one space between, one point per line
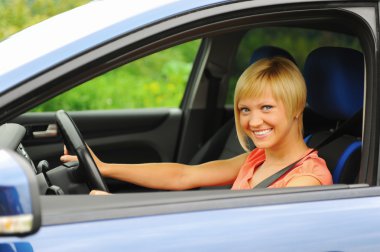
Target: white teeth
262 132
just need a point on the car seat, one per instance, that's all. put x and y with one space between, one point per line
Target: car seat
335 83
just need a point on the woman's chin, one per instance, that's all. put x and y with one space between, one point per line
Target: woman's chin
262 144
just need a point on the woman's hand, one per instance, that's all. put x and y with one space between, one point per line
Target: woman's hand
72 158
66 157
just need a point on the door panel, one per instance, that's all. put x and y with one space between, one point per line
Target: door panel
125 136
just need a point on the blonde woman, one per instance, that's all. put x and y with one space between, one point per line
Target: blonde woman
269 100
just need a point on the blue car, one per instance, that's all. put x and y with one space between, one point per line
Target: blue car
44 204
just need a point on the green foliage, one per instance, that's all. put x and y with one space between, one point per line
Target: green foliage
158 80
16 15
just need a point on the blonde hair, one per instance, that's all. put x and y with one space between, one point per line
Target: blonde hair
286 83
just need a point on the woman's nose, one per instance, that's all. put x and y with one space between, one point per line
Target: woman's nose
255 121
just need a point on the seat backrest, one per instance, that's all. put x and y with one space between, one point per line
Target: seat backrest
335 83
270 52
224 143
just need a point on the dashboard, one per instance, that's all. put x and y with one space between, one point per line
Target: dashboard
11 135
64 179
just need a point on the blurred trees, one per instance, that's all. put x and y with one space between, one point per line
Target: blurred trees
16 15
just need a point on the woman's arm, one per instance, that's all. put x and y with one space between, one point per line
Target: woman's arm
171 176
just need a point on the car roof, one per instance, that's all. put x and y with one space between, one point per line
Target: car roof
61 37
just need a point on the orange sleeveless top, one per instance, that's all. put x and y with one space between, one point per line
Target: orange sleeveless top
310 165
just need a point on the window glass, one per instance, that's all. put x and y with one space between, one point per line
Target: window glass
297 41
158 80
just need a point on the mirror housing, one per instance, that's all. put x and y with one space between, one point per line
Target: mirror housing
20 210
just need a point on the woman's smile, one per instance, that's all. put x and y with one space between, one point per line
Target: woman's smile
262 133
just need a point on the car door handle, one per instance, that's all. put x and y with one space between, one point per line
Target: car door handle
51 131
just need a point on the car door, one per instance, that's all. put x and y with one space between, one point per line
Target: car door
149 135
340 217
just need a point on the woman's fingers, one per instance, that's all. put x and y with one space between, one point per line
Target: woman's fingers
68 158
97 192
65 151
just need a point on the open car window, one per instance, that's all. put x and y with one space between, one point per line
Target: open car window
155 81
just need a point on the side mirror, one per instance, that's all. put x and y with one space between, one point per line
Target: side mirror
20 212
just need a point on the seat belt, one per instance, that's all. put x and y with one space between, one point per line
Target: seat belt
336 133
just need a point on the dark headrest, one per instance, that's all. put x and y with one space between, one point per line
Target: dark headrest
269 52
335 81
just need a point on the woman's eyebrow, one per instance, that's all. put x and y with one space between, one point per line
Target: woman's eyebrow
267 101
242 103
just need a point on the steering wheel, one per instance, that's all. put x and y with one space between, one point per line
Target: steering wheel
74 141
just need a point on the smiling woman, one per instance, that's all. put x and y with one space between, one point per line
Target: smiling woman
283 85
270 97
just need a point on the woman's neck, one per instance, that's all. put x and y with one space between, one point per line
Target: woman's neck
286 153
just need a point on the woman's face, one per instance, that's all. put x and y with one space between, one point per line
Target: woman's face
266 122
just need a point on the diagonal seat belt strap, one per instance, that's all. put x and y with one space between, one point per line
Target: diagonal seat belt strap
337 133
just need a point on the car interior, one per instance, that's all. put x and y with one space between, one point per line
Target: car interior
202 128
344 71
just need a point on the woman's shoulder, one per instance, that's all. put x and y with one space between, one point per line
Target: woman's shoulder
313 159
314 165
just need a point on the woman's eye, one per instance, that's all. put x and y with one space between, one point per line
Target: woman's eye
244 110
266 107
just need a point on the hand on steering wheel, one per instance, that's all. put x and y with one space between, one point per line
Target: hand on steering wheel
74 141
66 157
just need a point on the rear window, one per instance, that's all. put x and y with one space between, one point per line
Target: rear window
298 42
